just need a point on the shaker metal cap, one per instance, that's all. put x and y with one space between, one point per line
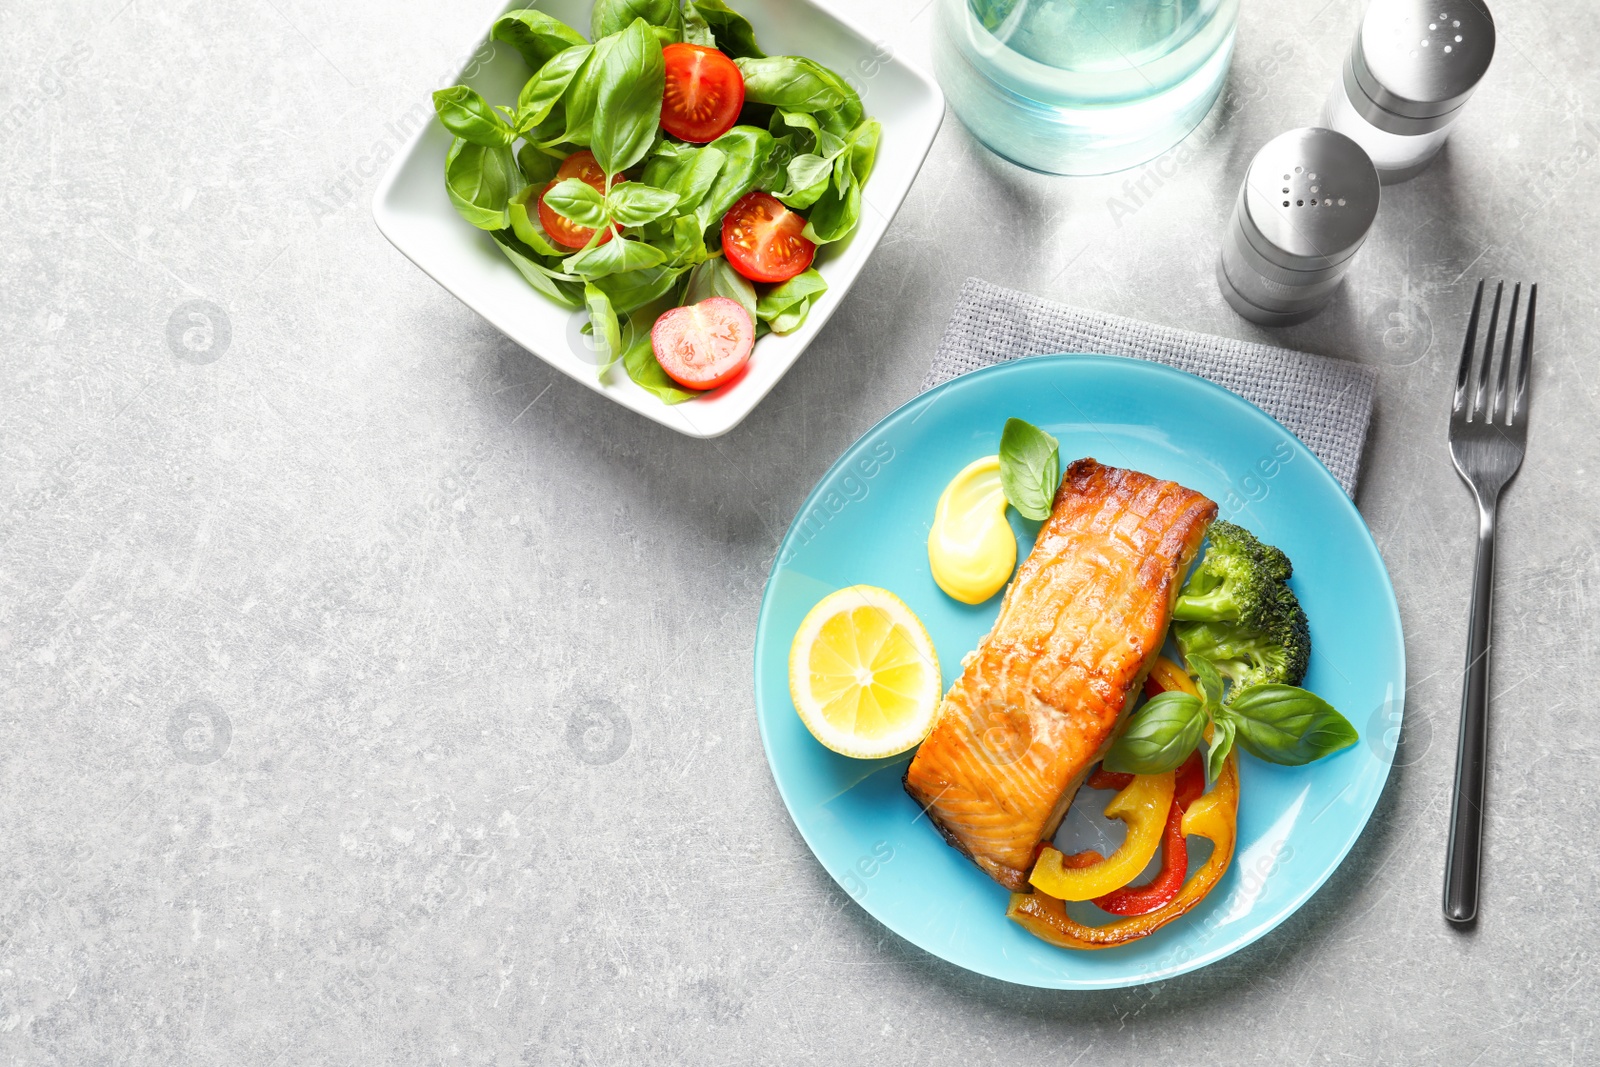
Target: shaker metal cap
1309 199
1421 59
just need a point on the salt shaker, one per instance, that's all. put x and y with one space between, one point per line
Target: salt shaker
1409 73
1304 210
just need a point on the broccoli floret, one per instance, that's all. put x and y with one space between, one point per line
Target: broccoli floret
1248 656
1293 630
1276 562
1257 635
1237 581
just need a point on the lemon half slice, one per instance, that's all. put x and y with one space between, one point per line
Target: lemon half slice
863 674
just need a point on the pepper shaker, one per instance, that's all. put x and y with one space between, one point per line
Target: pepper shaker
1306 205
1409 73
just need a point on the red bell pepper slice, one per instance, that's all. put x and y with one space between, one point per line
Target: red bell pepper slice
1164 887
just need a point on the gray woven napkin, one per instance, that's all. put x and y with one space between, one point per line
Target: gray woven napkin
1327 403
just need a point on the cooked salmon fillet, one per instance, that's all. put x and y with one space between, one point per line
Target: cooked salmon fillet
1038 702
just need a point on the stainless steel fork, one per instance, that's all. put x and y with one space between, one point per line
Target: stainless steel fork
1488 434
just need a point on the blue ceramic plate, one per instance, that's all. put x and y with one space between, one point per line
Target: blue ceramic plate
867 522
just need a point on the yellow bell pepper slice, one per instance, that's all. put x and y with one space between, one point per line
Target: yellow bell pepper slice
1214 816
1143 805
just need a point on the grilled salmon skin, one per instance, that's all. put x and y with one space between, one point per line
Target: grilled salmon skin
1038 702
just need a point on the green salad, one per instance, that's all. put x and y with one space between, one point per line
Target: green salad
666 175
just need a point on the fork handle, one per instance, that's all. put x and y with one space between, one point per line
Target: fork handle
1466 801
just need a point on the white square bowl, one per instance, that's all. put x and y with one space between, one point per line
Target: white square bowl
414 213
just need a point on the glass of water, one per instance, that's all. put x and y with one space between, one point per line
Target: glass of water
1083 86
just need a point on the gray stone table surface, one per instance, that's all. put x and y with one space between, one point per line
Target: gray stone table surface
375 694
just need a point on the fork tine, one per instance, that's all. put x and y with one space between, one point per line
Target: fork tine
1497 411
1519 406
1481 386
1465 371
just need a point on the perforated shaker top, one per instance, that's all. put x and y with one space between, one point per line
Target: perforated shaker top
1422 58
1309 199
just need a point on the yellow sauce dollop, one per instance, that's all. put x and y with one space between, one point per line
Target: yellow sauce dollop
971 547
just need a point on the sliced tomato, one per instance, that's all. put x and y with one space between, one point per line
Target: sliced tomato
584 166
704 345
705 92
764 240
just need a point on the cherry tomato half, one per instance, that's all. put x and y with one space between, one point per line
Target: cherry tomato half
763 239
582 164
705 91
578 165
704 345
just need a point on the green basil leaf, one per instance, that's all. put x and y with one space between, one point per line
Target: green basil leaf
684 242
614 16
1287 725
841 120
1210 681
785 307
732 31
834 216
696 30
545 89
806 286
523 210
771 173
634 289
684 170
1217 749
549 134
537 167
790 82
617 256
632 77
607 331
1159 736
582 95
838 211
816 140
537 275
634 203
480 180
535 35
861 149
787 122
577 201
1030 468
641 364
716 277
745 149
808 176
468 116
790 320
